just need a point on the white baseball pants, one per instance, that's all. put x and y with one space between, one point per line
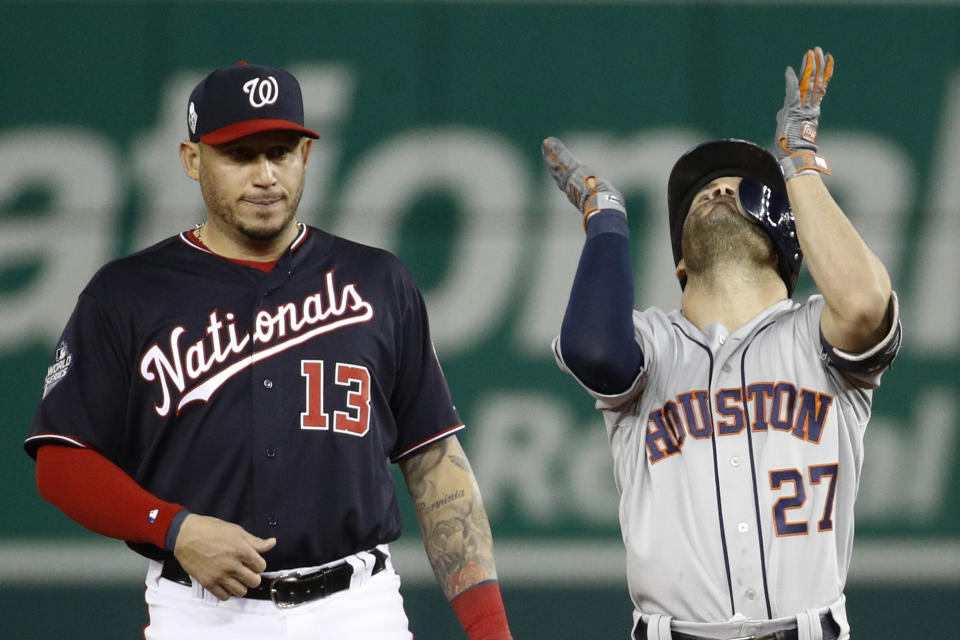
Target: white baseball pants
371 608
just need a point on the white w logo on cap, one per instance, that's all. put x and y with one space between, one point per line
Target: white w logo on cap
262 92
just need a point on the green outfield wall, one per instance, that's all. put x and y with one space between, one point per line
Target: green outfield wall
431 115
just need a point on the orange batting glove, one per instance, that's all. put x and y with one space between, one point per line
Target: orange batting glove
798 119
589 193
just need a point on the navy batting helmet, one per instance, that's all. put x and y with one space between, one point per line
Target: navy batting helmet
762 196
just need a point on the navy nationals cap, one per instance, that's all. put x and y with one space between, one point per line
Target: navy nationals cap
232 102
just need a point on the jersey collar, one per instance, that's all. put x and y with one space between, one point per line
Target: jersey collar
190 240
714 331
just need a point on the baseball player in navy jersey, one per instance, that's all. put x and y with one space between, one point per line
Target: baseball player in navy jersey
227 402
736 423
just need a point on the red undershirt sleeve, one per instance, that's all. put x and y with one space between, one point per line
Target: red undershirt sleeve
481 613
99 495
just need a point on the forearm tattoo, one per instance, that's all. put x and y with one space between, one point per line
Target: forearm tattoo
453 522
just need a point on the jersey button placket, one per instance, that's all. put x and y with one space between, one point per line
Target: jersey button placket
736 481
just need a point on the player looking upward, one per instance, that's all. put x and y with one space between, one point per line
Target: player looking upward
736 424
227 401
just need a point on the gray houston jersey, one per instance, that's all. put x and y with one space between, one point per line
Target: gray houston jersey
737 457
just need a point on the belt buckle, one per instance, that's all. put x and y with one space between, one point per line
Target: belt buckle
290 577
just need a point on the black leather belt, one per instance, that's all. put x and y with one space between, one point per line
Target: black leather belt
831 631
290 589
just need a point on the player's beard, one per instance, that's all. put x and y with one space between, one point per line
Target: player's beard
722 236
220 205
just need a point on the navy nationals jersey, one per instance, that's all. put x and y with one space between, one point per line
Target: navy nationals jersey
271 400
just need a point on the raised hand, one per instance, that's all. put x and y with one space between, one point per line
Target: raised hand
588 192
798 119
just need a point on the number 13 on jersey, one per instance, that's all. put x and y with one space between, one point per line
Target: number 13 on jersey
355 381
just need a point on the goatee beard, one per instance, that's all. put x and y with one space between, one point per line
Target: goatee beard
219 207
721 236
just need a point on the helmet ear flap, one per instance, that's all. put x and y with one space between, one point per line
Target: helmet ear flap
770 209
761 204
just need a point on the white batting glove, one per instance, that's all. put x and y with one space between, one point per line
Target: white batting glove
797 120
588 192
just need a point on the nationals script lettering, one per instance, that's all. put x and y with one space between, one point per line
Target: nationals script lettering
290 325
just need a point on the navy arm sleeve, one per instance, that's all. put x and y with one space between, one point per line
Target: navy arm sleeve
596 338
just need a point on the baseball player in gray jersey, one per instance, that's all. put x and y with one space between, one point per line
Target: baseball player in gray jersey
736 424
